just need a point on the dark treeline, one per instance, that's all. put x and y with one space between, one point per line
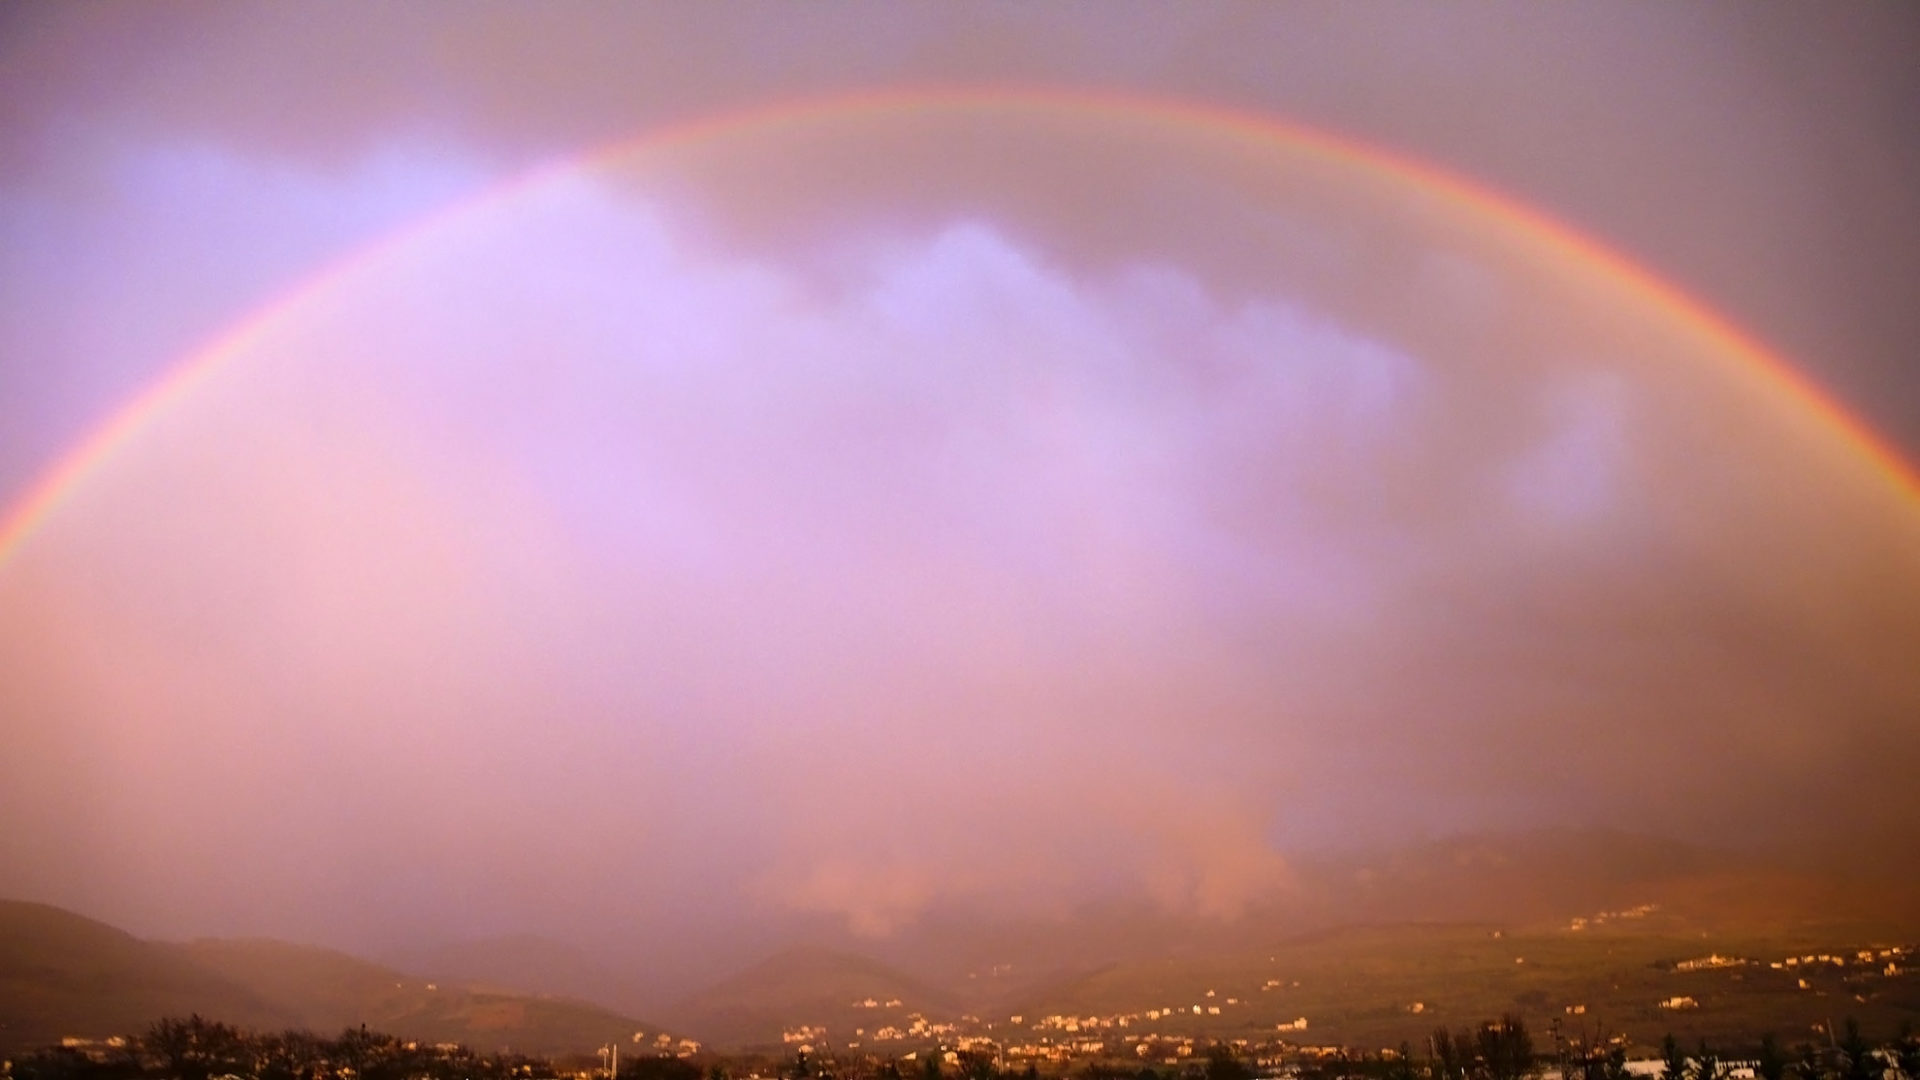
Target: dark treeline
200 1049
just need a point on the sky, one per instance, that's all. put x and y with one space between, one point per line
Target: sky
644 506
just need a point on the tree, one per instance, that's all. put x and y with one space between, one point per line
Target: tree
1708 1066
1673 1063
1403 1065
1858 1057
977 1066
1810 1064
196 1048
294 1055
1449 1061
1598 1061
1907 1049
1506 1050
658 1067
1771 1064
1223 1065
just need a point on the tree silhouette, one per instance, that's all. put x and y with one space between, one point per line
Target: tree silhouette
658 1067
1907 1049
1771 1063
196 1048
1449 1061
977 1066
1223 1065
1403 1065
1506 1050
1708 1067
1673 1063
1858 1063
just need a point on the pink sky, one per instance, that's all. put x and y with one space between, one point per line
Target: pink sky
998 509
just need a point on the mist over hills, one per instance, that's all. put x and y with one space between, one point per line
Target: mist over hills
531 964
1416 898
62 975
1464 927
817 987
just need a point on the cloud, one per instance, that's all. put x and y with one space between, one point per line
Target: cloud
779 550
1572 474
557 488
116 274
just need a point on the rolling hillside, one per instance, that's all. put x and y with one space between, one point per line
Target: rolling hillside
1374 948
1465 929
65 975
62 974
1376 986
815 987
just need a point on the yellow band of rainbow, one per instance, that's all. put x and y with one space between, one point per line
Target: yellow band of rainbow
1554 239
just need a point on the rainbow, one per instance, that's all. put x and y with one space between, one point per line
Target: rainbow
1553 239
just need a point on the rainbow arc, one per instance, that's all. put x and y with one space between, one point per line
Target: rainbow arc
1554 240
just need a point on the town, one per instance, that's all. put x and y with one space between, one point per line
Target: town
1177 1034
196 1048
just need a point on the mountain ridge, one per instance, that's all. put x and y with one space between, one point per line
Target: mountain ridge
63 974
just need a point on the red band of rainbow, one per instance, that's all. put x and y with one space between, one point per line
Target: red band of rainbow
1555 240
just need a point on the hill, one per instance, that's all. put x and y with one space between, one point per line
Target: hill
532 964
1374 986
841 992
328 991
1365 936
1376 947
62 974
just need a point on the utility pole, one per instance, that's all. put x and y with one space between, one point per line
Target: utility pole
1559 1055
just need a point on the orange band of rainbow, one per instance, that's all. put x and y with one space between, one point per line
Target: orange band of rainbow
1554 239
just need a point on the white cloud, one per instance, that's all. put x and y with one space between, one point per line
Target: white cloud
1571 476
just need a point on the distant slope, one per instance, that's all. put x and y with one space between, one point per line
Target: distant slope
1374 986
1470 927
62 974
1543 876
1507 877
817 987
329 990
1378 931
534 965
1366 934
990 963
